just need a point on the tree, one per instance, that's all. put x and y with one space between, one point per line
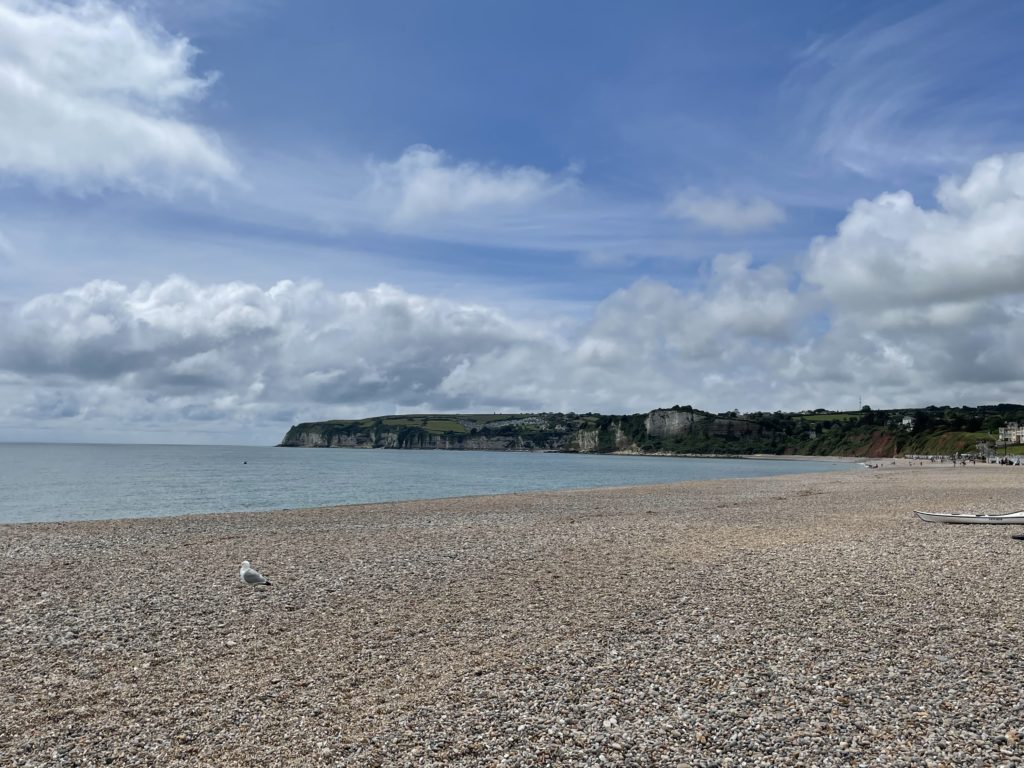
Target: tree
992 423
923 421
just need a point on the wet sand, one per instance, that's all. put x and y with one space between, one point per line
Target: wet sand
797 620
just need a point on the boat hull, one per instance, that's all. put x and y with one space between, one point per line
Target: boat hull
962 518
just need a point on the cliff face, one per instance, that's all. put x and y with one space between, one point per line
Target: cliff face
668 423
323 436
587 433
587 441
314 438
676 430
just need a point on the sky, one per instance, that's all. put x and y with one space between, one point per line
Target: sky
222 218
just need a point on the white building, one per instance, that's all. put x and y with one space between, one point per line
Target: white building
1011 433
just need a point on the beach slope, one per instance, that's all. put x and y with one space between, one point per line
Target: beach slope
797 620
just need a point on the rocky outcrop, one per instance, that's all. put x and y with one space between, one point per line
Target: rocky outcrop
623 442
317 439
587 440
476 443
668 423
324 437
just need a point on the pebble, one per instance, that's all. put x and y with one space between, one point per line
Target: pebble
804 620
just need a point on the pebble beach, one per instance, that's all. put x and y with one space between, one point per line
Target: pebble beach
800 620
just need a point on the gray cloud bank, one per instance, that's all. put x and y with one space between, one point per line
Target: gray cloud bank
903 305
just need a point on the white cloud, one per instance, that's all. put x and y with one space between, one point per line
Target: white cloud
171 350
651 345
902 306
925 305
92 98
181 353
891 254
725 213
424 183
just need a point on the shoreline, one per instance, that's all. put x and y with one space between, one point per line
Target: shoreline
789 620
652 454
105 506
379 506
753 457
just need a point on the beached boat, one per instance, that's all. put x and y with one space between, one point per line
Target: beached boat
1010 518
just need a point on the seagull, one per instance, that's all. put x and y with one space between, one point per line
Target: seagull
250 576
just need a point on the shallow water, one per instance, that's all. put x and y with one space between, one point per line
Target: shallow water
46 482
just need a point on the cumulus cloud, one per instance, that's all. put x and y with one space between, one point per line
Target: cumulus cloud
903 305
91 97
726 213
424 183
893 255
191 351
651 344
925 304
737 302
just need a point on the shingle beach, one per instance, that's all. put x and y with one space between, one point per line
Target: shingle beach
790 621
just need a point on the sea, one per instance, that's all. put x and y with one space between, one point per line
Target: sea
61 482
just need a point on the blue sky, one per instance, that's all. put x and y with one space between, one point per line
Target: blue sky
221 218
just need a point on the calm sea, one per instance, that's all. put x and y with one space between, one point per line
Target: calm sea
45 482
